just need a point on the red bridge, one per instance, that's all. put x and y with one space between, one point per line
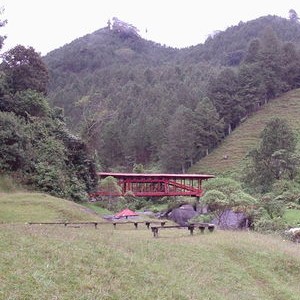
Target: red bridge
155 185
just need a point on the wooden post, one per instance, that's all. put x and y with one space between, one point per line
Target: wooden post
155 231
211 227
202 227
191 228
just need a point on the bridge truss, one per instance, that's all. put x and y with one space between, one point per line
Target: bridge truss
155 185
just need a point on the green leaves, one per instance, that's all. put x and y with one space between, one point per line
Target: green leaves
275 157
26 70
14 142
36 143
226 194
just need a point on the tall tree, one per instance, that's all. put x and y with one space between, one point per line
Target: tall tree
270 63
252 54
251 91
178 151
275 157
14 142
25 69
208 126
293 15
291 66
222 91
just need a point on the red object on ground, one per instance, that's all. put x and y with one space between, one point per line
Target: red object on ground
125 213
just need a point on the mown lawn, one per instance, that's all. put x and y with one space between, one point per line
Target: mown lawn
292 217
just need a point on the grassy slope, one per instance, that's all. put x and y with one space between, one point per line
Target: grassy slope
246 136
22 207
44 262
57 262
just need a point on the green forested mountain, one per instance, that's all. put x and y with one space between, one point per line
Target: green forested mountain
228 48
134 101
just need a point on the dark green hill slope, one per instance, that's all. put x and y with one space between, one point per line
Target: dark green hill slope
100 64
229 47
125 94
105 61
235 147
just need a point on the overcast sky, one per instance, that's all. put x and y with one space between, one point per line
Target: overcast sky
49 24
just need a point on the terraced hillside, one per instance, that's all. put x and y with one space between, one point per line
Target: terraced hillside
228 157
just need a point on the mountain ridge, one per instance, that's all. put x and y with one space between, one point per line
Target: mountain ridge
128 87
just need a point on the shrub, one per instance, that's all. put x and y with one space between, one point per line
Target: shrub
267 225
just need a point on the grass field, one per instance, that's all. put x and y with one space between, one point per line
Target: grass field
57 262
25 207
292 217
246 136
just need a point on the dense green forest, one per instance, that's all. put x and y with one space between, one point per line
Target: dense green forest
37 149
137 102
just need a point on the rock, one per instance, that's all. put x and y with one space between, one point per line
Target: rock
232 220
294 234
182 214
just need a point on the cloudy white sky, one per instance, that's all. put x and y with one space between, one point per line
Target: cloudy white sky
48 24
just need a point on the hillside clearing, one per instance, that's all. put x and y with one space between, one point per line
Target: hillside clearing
246 137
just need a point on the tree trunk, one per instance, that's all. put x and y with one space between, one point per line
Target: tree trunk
229 129
182 168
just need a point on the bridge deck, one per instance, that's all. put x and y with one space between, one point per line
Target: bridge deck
155 185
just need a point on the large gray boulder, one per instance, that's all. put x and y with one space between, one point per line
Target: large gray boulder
232 220
182 214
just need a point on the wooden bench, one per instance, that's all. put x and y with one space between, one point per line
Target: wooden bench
202 226
124 223
85 223
190 227
73 224
96 223
148 223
